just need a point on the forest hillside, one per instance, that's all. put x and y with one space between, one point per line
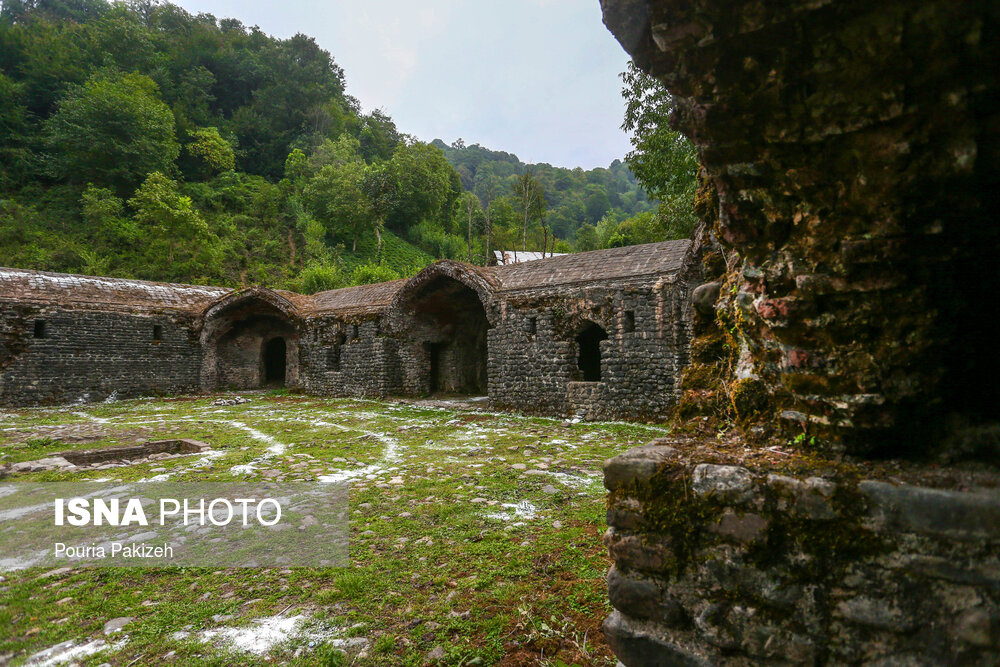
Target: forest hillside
139 140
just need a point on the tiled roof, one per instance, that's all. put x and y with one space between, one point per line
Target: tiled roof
82 291
615 263
139 295
359 299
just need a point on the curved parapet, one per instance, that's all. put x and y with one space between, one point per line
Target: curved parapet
247 320
475 278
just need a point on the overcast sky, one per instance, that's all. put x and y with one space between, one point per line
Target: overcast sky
538 78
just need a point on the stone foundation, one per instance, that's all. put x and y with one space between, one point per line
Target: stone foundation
87 457
722 564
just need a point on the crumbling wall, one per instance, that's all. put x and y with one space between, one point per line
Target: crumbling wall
725 563
341 357
533 350
849 181
852 147
86 355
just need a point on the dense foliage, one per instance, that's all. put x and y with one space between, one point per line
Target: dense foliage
139 140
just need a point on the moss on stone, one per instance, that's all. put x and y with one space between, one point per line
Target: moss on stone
749 398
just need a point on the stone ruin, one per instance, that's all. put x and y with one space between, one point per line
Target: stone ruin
847 199
597 335
103 458
836 298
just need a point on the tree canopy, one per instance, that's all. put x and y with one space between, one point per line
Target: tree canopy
140 140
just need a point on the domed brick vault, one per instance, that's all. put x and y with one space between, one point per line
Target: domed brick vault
848 198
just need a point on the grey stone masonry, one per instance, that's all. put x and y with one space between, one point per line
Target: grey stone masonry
719 564
592 334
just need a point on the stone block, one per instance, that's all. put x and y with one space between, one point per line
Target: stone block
726 483
810 498
640 552
640 645
954 514
636 466
742 528
645 598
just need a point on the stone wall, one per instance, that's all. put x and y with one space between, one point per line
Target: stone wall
722 564
849 175
593 334
852 150
533 350
349 358
88 355
240 353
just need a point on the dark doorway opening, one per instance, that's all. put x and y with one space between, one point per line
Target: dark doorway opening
274 361
434 353
589 359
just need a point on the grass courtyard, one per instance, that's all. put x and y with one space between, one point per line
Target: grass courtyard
475 538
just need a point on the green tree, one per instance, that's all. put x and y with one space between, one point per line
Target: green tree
428 186
662 159
472 214
368 274
346 149
381 186
14 130
597 203
212 153
112 131
586 238
336 196
104 213
378 136
320 277
178 243
297 169
530 198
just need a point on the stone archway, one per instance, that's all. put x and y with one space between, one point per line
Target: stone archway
442 319
249 340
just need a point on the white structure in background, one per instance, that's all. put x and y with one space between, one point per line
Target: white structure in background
503 257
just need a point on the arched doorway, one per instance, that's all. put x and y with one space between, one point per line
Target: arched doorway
442 326
249 340
588 360
273 358
450 322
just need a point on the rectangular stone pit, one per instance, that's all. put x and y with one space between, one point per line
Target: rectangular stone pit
89 457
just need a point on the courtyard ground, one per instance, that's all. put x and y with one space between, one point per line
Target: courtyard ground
475 538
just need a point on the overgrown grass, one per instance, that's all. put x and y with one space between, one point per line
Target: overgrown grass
439 556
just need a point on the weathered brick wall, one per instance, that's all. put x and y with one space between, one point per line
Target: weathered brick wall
442 333
89 355
533 350
850 155
348 358
240 354
854 150
720 564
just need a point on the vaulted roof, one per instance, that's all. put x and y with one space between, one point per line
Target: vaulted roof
356 300
566 271
634 261
43 287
